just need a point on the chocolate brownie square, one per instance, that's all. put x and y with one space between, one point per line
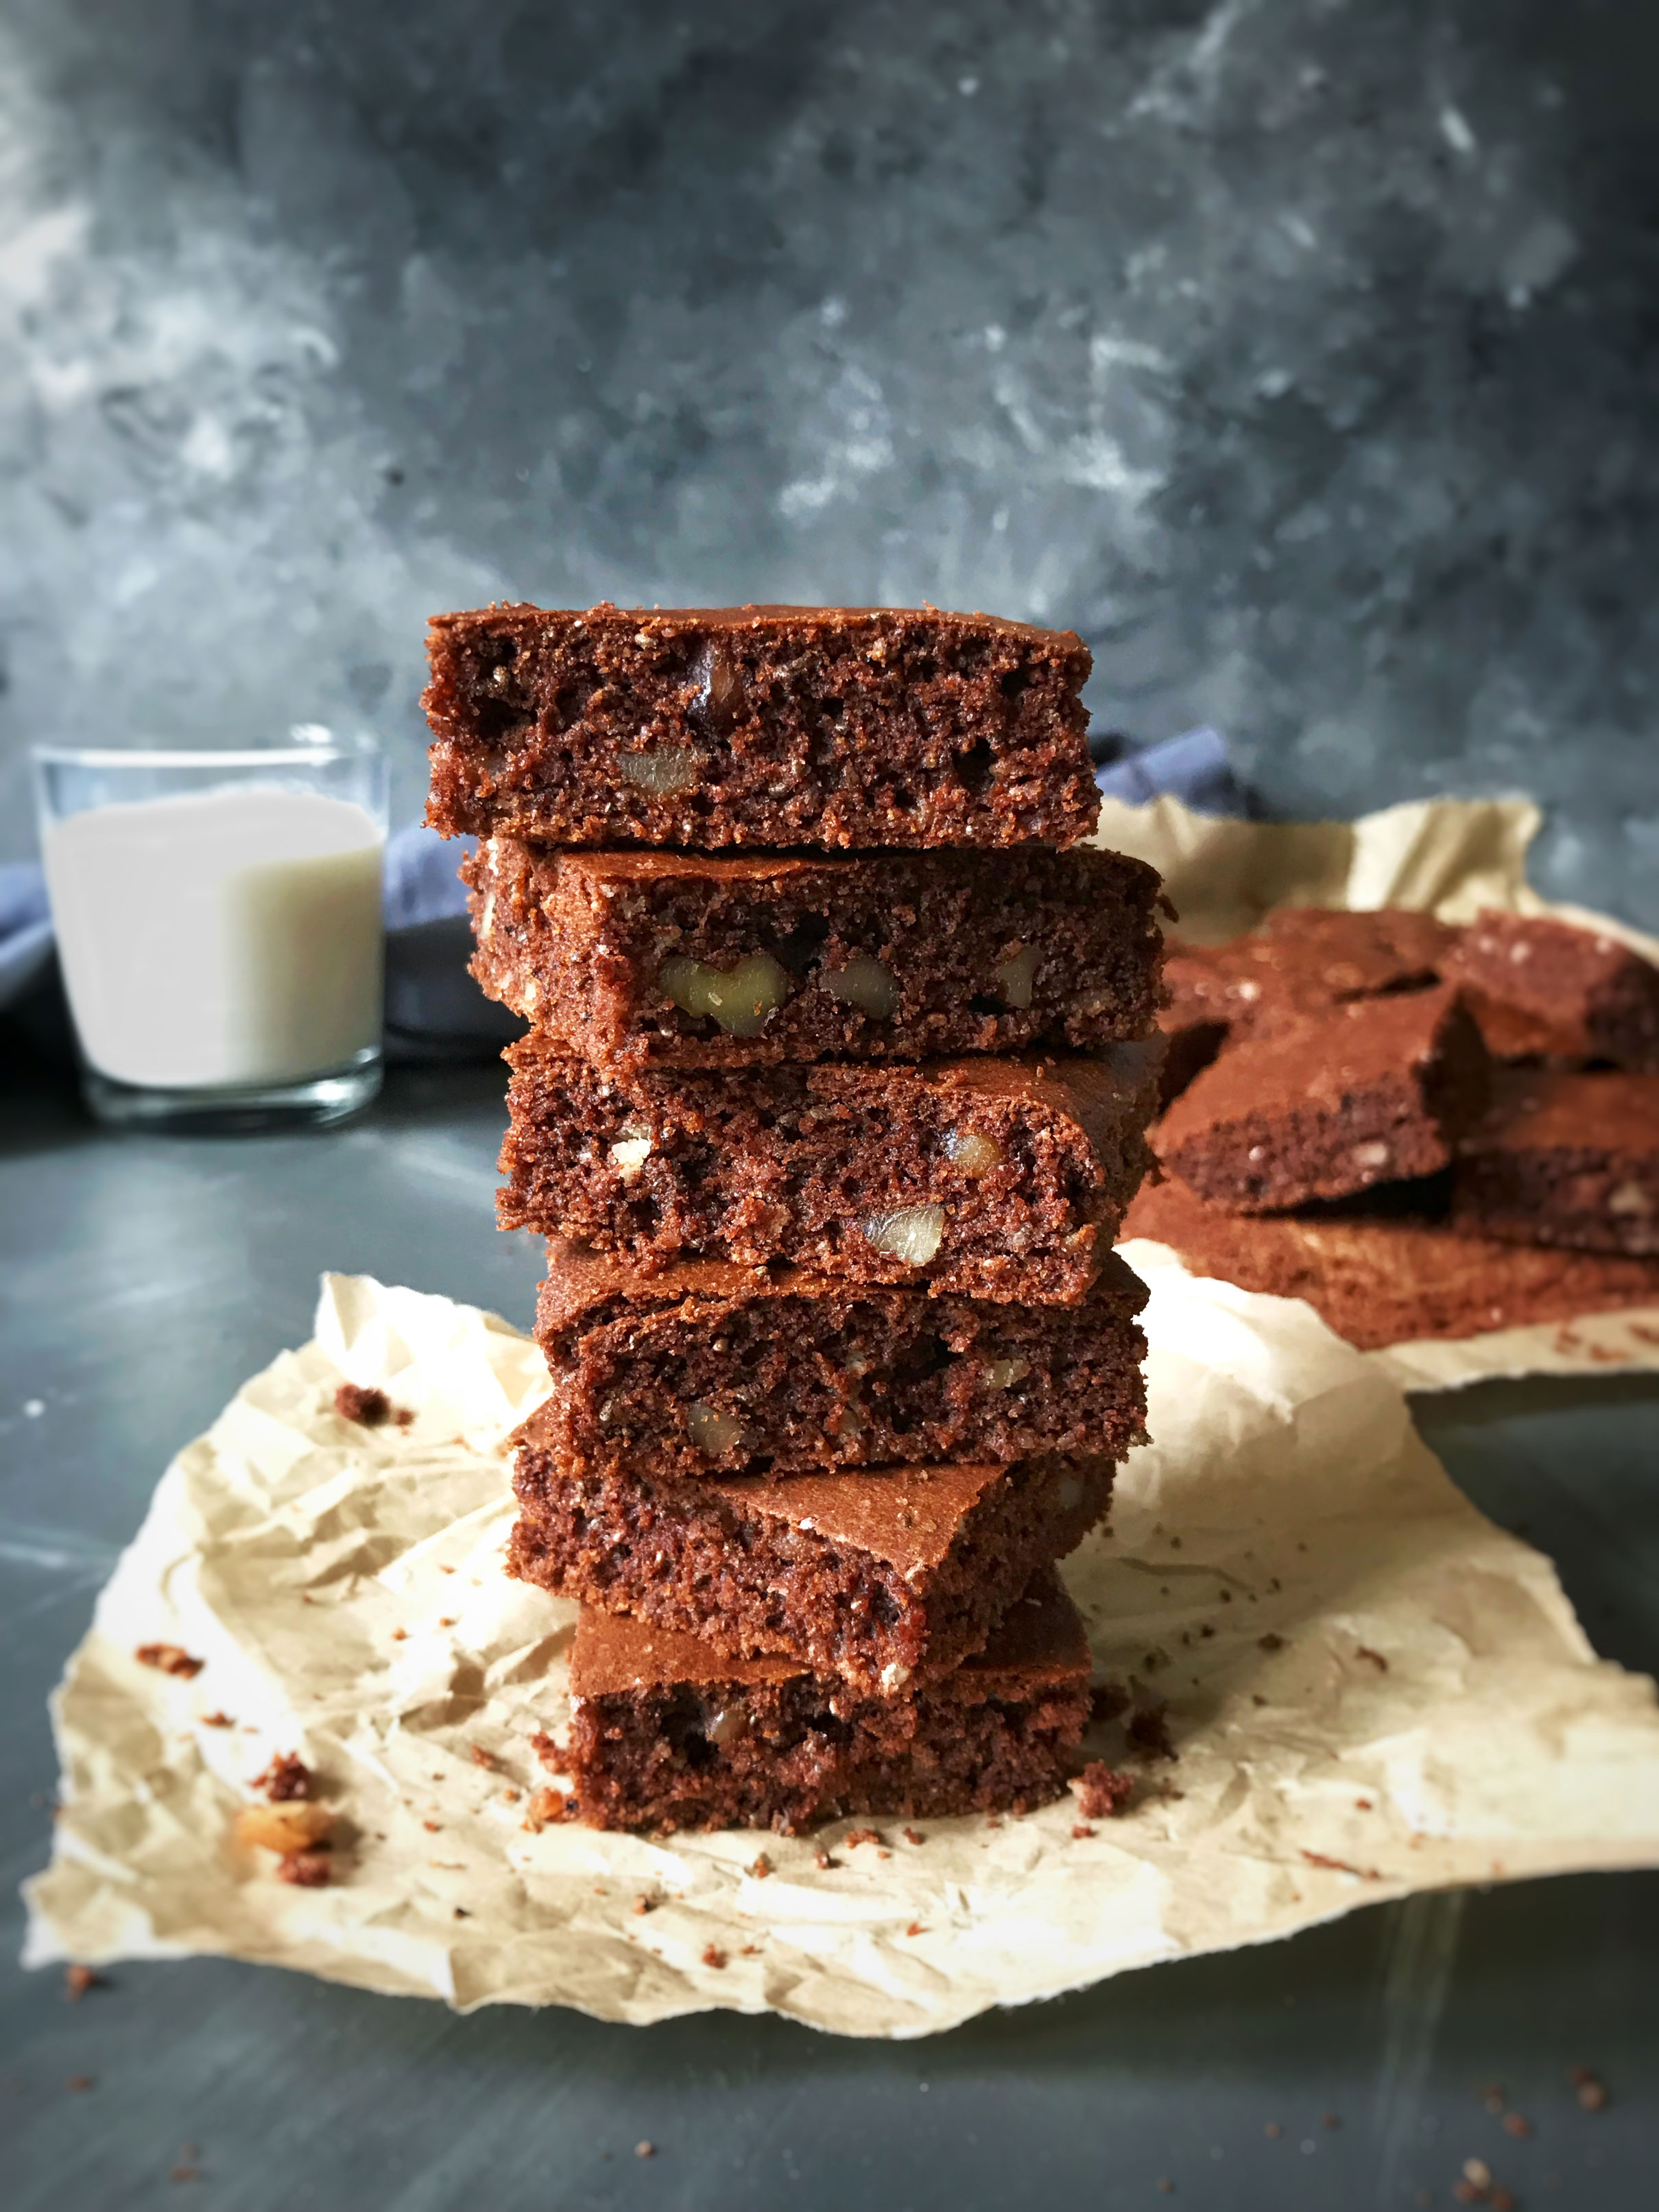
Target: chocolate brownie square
1301 961
664 1734
1373 1090
884 1578
1389 1267
679 960
706 1369
711 726
998 1178
1542 990
1565 1159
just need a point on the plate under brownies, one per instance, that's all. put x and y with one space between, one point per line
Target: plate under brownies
999 1178
886 1577
710 1368
664 1734
683 960
706 727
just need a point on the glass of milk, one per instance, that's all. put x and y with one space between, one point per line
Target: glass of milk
219 926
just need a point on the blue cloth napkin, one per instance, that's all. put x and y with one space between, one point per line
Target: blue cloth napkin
433 1010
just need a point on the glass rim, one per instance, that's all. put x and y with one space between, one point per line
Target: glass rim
289 754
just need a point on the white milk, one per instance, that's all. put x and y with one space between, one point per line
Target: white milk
225 936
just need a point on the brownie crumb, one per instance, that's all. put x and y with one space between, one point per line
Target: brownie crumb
483 1758
82 2081
916 1929
861 1836
306 1869
368 1407
642 1903
405 1418
712 1955
184 2173
1499 2198
1273 2129
77 1980
553 1756
913 1836
1477 2173
400 1635
509 1796
546 1806
1592 2095
1100 1791
761 1867
1518 2125
169 1659
285 1777
1331 2120
217 1720
433 1827
1079 1830
645 2151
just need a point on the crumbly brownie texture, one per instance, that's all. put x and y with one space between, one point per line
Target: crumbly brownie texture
707 1369
1390 1269
704 727
882 1577
1376 1091
1541 989
632 957
998 1178
1565 1159
663 1734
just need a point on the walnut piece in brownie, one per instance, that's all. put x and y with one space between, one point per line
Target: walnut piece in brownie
666 1734
1374 1090
705 727
1563 1158
884 1578
1389 1268
683 960
998 1178
1542 990
708 1369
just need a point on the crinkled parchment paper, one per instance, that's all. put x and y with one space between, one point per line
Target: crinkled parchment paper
1443 856
1371 1690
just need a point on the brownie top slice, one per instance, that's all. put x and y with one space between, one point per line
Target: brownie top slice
1039 1641
1304 959
583 1285
1541 987
770 726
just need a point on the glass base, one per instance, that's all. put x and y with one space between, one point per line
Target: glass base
311 1102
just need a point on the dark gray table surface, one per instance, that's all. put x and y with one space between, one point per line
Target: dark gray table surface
145 1279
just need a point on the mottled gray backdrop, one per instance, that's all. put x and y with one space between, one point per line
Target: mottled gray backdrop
1299 354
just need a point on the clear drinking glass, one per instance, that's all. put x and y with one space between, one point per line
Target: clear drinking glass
219 926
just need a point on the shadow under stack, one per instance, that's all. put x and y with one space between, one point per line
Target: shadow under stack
833 1101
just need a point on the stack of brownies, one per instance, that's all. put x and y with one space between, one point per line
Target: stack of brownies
833 1100
1425 1130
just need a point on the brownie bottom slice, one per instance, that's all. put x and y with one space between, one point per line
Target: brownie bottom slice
1391 1269
882 1577
665 1734
1565 1159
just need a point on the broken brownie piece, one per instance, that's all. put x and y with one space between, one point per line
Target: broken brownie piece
1541 989
1375 1090
688 960
704 727
664 1734
1301 961
1565 1159
706 1369
1389 1268
882 1577
999 1178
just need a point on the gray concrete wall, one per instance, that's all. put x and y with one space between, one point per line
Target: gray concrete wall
1301 354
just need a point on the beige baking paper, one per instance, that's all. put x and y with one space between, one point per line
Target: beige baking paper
1372 1689
1448 857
